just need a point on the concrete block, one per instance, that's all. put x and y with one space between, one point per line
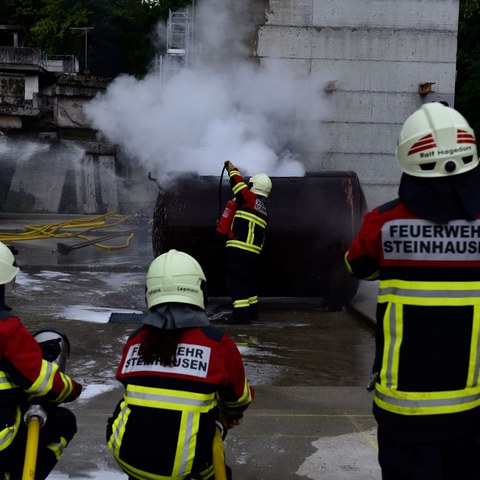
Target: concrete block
404 14
90 203
291 12
69 112
383 76
360 138
108 182
357 44
37 186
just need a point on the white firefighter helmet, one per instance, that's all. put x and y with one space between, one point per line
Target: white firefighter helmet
8 270
436 141
261 184
175 277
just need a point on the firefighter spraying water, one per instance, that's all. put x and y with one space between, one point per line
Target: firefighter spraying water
244 221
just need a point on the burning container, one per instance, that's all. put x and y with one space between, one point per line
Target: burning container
312 220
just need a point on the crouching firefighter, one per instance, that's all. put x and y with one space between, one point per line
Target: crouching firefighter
181 377
29 374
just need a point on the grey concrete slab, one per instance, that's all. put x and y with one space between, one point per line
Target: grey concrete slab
311 417
289 433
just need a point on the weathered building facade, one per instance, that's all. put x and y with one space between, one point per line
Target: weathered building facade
380 60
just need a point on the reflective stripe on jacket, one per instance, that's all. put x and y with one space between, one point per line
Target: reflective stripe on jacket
250 220
25 374
163 427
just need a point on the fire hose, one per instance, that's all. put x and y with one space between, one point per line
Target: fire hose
218 453
62 230
35 418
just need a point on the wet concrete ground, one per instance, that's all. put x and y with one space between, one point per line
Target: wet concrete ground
311 417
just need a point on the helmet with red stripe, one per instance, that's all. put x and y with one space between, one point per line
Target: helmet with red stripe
436 141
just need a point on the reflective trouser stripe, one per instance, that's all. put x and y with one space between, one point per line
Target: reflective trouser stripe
186 444
244 302
58 448
170 399
142 475
8 433
426 403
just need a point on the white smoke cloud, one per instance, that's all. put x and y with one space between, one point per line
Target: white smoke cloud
256 116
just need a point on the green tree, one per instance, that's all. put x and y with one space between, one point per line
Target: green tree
119 42
467 91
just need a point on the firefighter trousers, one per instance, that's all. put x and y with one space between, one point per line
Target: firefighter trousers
451 459
241 278
57 432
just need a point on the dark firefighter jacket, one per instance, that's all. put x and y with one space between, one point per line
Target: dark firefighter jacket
164 426
428 319
24 375
251 218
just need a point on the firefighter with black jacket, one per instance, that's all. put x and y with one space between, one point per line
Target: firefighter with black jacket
26 376
181 376
424 248
245 242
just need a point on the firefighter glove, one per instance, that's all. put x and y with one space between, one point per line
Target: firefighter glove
230 420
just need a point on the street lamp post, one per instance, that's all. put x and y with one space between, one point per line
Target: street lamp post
85 29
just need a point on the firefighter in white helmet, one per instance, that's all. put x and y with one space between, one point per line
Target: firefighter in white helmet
424 248
29 374
245 241
177 380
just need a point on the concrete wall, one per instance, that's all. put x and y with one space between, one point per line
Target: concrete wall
373 54
31 86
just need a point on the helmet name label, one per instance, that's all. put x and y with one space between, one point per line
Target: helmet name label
450 151
191 360
178 288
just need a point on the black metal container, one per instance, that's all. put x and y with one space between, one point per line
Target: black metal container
312 220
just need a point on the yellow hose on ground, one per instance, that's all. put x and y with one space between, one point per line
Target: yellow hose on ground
218 456
31 448
60 230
